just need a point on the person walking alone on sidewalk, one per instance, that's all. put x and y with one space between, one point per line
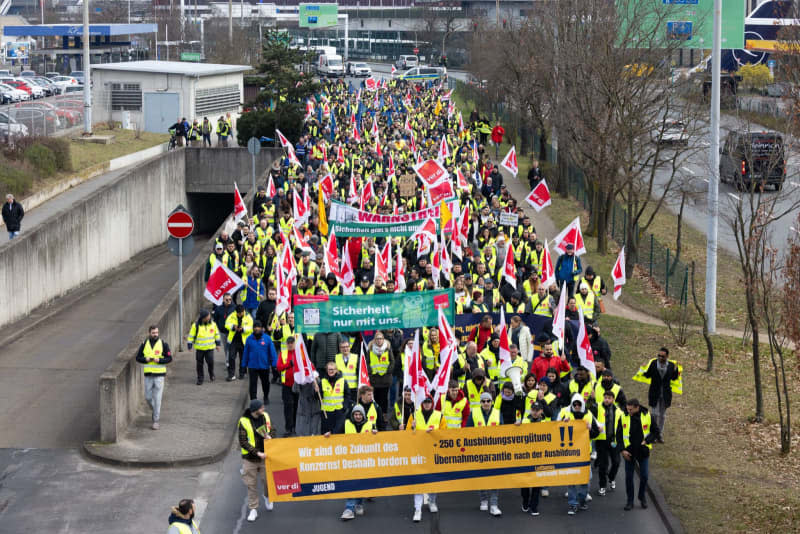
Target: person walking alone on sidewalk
664 377
205 337
255 428
637 433
155 355
12 216
259 357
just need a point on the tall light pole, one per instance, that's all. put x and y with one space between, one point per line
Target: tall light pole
713 182
230 21
87 73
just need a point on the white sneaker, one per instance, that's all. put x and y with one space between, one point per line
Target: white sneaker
417 515
545 493
269 506
495 511
432 507
588 497
484 506
252 515
593 456
613 485
347 515
601 492
359 509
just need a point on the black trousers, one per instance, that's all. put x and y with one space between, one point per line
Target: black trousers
606 455
330 423
530 498
206 356
255 375
382 398
235 351
290 400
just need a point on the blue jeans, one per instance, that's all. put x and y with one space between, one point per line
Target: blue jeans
352 503
644 472
576 494
12 235
489 495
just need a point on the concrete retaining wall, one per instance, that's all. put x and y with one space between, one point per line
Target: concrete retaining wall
213 170
92 236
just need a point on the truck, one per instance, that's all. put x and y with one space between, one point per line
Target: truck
330 65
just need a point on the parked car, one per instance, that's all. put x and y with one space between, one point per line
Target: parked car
27 74
38 121
406 62
674 132
73 89
34 84
358 69
748 158
36 91
66 117
49 87
78 75
8 94
64 81
18 94
6 74
51 74
10 127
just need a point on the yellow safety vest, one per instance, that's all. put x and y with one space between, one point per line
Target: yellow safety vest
586 391
332 396
203 336
531 398
379 364
155 352
478 420
566 415
492 367
626 428
595 285
599 391
541 307
431 424
431 356
453 413
474 394
350 428
601 420
675 385
263 430
587 304
232 322
349 370
183 528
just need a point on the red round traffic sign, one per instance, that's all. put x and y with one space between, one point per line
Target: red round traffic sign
416 50
180 224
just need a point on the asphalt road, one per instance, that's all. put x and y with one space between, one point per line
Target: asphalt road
48 376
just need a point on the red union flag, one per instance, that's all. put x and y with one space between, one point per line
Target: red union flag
282 138
584 346
431 172
571 235
326 184
440 191
462 180
304 370
371 84
509 270
239 211
221 280
383 261
618 273
363 371
539 198
441 302
271 189
548 272
509 162
444 150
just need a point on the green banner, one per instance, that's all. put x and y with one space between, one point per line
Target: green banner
357 313
370 229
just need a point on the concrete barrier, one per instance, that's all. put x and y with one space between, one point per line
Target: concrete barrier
213 170
93 235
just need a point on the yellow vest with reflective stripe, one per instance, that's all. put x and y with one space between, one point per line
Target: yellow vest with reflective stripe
155 352
453 413
350 428
430 356
586 391
349 370
601 421
246 323
284 357
595 285
332 396
626 428
566 415
586 303
541 307
379 364
474 394
478 419
431 424
492 367
203 336
600 391
183 528
675 385
264 430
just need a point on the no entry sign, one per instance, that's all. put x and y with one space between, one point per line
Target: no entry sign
180 224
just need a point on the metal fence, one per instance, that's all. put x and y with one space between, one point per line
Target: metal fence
655 259
49 116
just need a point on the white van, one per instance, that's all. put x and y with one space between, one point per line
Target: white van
330 66
406 62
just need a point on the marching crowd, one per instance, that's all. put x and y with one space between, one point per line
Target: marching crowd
353 139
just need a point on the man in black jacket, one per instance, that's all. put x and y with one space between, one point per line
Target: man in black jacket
254 428
661 372
637 434
12 216
220 315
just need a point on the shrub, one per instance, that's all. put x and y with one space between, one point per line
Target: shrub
60 148
14 178
42 158
287 119
755 76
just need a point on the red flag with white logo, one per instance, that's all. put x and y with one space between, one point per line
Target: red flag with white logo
340 154
366 193
271 189
571 235
584 346
509 162
300 209
461 179
444 150
539 198
618 273
400 283
239 210
363 370
282 139
383 261
509 269
304 370
548 271
559 316
332 255
326 185
504 354
221 280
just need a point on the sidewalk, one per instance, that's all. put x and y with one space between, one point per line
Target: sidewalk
197 422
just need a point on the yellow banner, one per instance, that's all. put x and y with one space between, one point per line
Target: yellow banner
406 462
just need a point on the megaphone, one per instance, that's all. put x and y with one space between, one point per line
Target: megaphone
514 373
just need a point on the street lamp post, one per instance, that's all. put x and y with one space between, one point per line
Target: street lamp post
87 73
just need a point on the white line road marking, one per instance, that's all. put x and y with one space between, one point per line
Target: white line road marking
734 196
686 169
795 184
179 225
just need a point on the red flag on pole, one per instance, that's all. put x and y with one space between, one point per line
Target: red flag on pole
509 162
618 273
239 210
539 198
571 235
548 271
221 280
363 371
509 270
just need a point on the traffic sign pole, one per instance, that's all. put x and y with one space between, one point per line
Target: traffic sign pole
254 147
180 294
180 225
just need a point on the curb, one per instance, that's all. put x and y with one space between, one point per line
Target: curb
93 450
671 522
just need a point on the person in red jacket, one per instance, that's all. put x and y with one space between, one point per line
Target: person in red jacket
547 359
454 406
497 138
289 397
481 333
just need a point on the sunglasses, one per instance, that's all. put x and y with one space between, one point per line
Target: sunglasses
485 401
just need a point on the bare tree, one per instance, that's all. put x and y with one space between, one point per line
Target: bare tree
439 21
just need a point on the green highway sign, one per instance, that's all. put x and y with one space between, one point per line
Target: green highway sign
689 21
318 15
191 56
